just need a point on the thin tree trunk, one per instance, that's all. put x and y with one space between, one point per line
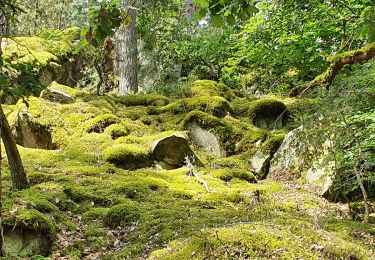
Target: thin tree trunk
1 205
127 53
189 9
19 179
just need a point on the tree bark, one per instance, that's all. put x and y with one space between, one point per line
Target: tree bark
127 53
19 179
326 79
189 9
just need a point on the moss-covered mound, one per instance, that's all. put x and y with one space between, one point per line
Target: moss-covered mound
127 156
268 114
103 189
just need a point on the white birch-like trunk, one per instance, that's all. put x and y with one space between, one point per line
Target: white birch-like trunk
126 62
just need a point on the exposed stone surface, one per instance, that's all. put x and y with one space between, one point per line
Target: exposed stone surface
259 161
57 96
205 140
290 156
295 157
31 134
25 243
172 149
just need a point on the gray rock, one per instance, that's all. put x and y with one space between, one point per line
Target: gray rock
291 155
25 243
172 149
57 96
31 134
205 140
297 158
260 162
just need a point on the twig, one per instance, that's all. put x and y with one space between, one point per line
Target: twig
190 167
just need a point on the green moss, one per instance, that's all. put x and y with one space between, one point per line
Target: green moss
127 156
273 143
35 220
80 194
94 214
143 100
122 214
210 88
100 123
38 177
229 174
214 105
271 110
116 131
72 33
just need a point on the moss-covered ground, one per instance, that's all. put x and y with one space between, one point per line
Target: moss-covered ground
89 207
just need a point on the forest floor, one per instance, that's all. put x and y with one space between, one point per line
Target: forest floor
89 208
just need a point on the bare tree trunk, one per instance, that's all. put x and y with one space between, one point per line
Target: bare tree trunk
19 180
127 53
1 205
189 9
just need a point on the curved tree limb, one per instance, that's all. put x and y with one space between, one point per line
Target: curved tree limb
337 63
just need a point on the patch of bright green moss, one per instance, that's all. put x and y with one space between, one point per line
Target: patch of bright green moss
116 131
94 214
128 156
210 88
229 174
144 100
122 214
35 220
100 123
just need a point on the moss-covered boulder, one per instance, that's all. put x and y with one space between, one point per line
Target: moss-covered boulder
23 242
214 105
101 122
31 133
268 114
210 133
117 131
172 149
261 160
56 96
128 156
210 88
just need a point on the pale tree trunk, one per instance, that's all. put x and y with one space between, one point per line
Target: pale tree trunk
189 9
127 53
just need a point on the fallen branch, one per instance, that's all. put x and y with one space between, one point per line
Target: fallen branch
337 63
190 167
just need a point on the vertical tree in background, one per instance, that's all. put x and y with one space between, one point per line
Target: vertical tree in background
189 9
127 52
8 9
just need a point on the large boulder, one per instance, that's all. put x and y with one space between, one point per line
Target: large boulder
297 158
205 139
210 133
57 96
268 114
172 150
291 155
31 134
25 243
